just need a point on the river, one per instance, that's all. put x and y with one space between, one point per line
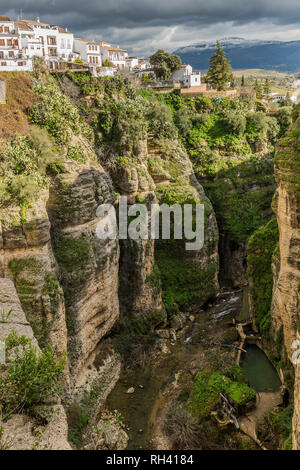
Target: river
142 408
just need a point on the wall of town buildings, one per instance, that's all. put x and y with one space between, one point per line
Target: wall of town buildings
23 40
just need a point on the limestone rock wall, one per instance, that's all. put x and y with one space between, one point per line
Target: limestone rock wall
286 306
21 431
88 266
27 258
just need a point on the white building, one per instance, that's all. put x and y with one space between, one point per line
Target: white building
30 45
56 43
186 76
131 62
194 79
89 51
114 55
180 74
11 55
145 72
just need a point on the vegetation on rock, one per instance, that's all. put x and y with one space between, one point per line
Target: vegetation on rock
206 391
261 247
219 73
164 63
31 376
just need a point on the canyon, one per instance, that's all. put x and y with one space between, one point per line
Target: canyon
114 307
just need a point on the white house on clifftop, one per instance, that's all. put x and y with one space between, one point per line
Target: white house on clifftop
115 55
56 43
186 76
11 54
89 51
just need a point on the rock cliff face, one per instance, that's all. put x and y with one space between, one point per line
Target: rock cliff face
72 286
66 278
88 266
21 431
161 172
285 305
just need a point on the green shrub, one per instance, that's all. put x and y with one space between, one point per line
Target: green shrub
259 124
161 121
23 170
31 378
183 122
207 387
77 420
123 123
261 247
183 282
281 422
287 156
284 118
55 112
234 123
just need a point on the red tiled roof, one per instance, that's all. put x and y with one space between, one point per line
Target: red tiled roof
22 25
89 41
114 49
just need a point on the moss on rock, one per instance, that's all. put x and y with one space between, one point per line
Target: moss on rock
261 247
207 387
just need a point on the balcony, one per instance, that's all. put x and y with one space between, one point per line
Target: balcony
52 42
5 47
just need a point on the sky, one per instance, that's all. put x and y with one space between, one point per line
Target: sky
143 26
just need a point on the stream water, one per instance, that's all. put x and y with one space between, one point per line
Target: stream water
259 370
141 408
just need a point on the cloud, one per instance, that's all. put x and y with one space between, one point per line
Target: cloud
144 25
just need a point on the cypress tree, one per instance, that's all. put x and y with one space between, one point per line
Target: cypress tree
220 72
267 88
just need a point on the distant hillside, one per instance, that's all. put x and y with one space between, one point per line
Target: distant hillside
246 54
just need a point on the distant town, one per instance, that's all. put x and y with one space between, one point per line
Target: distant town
23 41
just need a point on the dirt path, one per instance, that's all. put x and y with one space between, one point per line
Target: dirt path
265 402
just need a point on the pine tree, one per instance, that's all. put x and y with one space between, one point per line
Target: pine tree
267 88
259 90
220 72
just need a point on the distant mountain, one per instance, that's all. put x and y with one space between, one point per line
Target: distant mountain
246 54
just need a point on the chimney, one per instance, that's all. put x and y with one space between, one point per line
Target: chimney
38 19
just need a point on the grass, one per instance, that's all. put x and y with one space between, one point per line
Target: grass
19 101
261 247
206 391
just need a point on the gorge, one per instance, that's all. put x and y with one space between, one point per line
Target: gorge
139 329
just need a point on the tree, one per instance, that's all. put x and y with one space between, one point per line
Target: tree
288 99
234 123
258 89
220 72
164 63
267 88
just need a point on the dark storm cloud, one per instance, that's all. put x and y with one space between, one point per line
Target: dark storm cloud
141 18
130 13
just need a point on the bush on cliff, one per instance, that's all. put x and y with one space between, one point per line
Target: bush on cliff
31 377
261 247
207 387
23 167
